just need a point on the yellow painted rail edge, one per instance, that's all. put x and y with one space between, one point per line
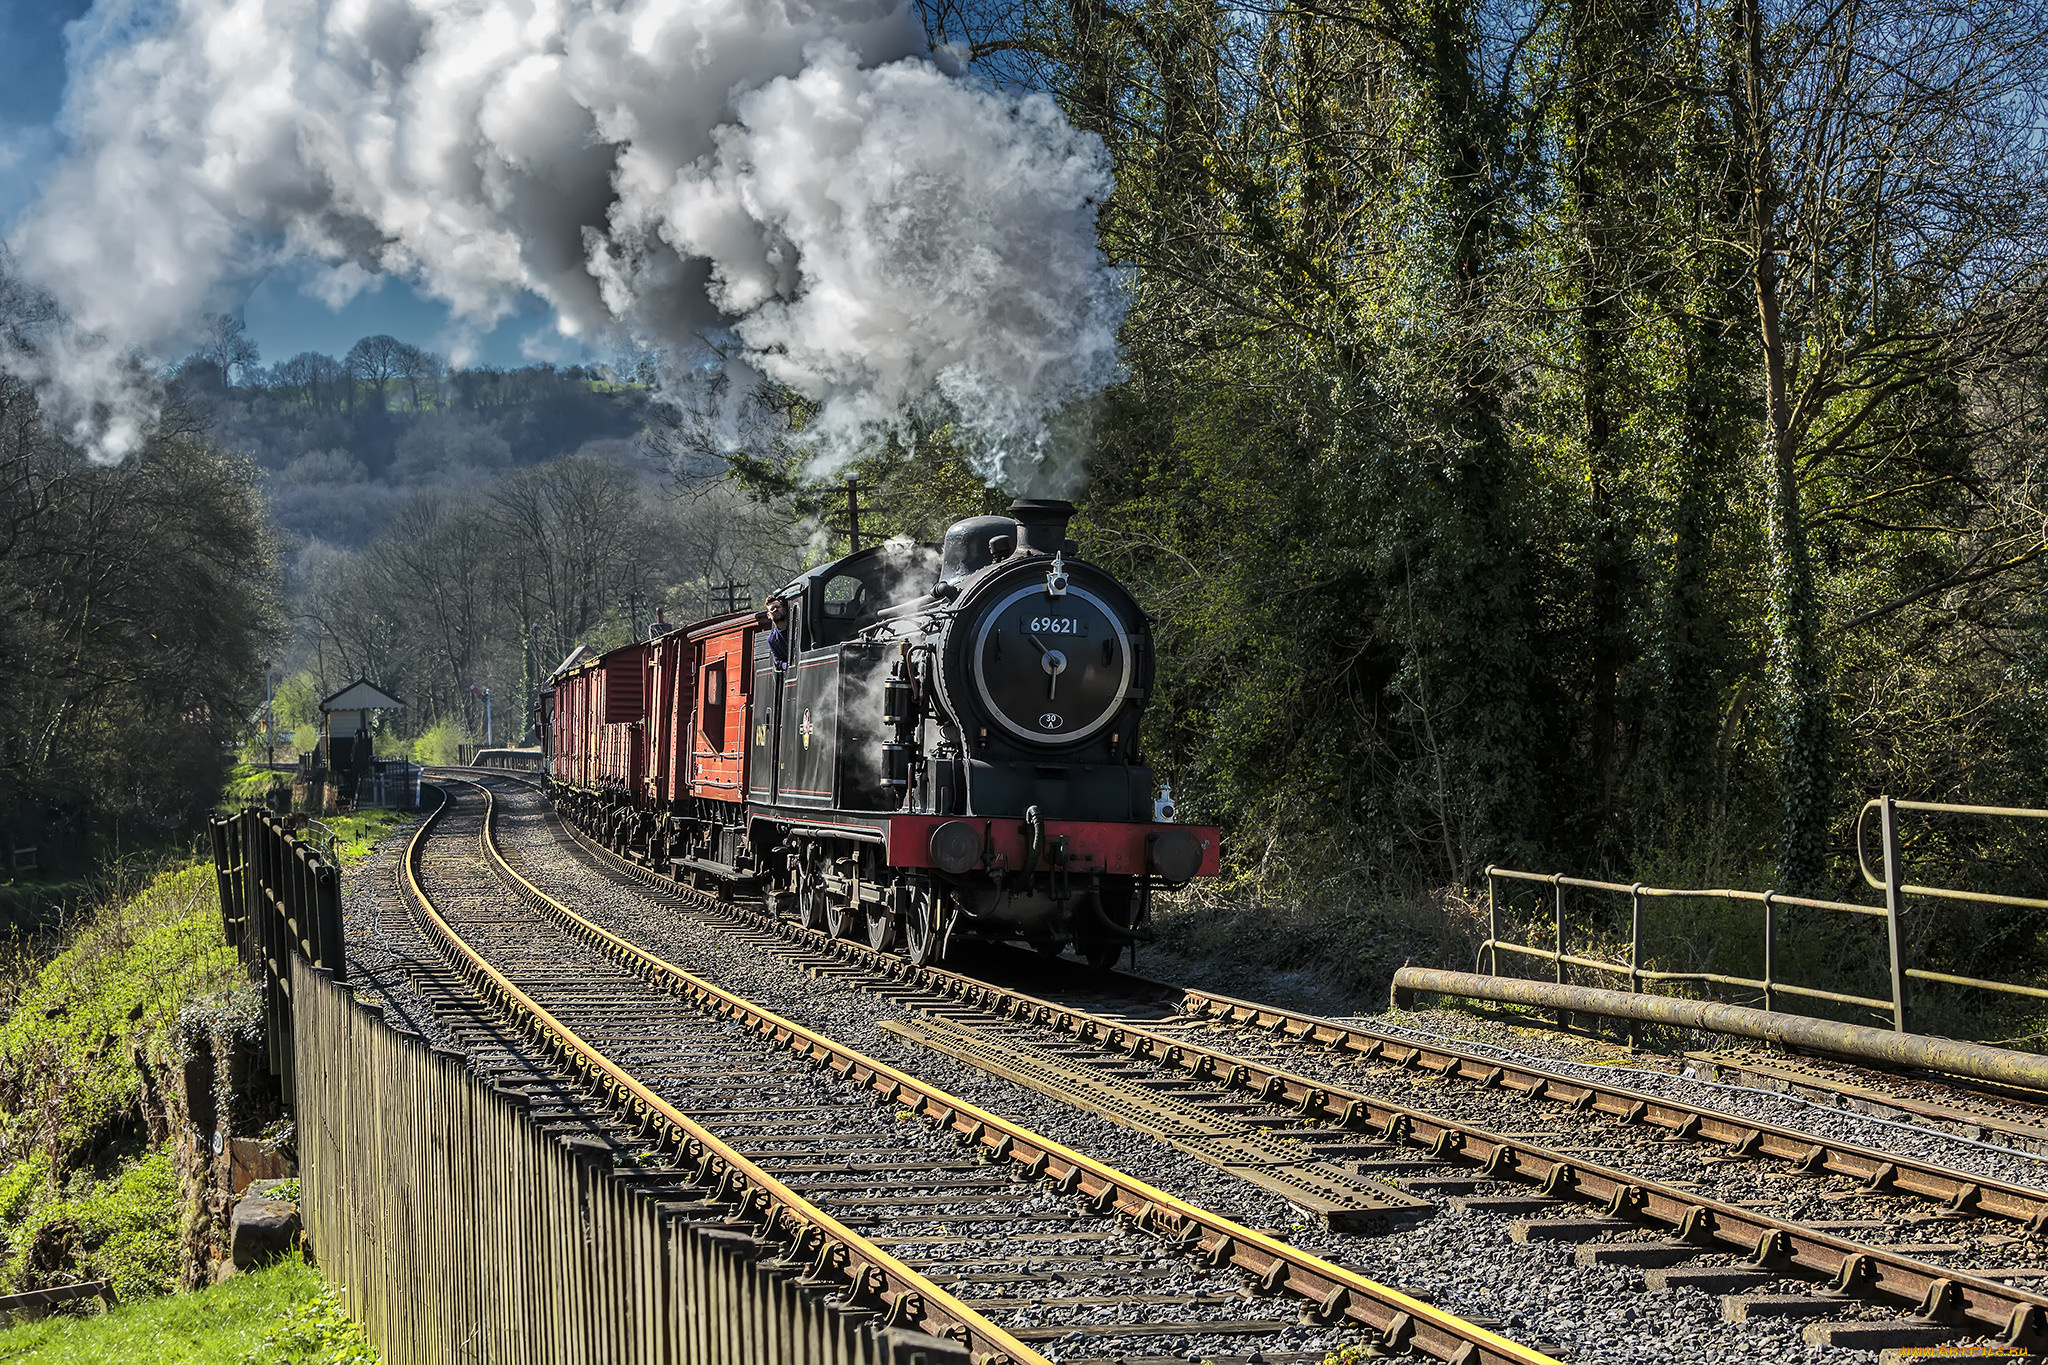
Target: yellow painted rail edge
868 1273
1333 1292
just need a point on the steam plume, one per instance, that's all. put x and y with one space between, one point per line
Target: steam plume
796 177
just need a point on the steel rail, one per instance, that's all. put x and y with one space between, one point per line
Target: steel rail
1753 1137
836 1252
1333 1292
1955 1190
1942 1295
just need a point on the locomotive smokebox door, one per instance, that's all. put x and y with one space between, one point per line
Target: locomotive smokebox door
1051 670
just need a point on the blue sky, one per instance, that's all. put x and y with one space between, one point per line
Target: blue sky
283 320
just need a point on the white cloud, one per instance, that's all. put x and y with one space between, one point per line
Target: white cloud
796 175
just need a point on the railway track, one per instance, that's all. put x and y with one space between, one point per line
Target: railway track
1978 1113
1884 1249
905 1202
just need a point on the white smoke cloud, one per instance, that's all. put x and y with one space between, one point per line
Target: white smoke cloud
798 177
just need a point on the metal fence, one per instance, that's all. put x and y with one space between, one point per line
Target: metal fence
517 760
1773 904
389 784
461 1224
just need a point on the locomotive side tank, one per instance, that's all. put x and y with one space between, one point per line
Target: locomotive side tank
949 747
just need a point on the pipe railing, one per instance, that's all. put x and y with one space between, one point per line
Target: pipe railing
1771 984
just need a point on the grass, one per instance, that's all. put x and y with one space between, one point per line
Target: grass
284 1314
356 833
82 1194
1308 950
251 785
67 1054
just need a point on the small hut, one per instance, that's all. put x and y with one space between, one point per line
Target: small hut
345 731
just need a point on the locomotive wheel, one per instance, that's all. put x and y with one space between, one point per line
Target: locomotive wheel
881 927
812 900
1102 955
839 917
921 927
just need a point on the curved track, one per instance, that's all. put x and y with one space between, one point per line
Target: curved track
1984 1230
920 1222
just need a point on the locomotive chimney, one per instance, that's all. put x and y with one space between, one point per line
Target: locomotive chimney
1041 524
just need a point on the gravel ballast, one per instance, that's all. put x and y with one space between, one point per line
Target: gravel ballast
1465 1261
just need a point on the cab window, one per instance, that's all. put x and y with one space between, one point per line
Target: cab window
844 597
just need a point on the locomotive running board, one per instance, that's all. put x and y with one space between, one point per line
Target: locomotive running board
1321 1189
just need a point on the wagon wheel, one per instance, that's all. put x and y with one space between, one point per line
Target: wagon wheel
1102 955
921 926
812 900
881 925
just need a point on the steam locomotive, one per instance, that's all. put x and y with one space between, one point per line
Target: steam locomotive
948 748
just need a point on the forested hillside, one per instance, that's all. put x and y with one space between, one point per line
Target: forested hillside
451 532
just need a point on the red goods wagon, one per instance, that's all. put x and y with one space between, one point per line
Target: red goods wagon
622 745
572 746
671 682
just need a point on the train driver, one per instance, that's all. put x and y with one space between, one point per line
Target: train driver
775 618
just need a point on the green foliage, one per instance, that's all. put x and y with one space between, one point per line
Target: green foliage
441 742
283 1314
297 703
316 1331
1530 458
67 1053
251 785
134 603
81 1194
123 1229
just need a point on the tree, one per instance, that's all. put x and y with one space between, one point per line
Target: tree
378 360
313 377
225 342
135 601
1896 234
422 367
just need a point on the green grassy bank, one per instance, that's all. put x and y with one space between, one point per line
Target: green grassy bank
284 1314
109 1049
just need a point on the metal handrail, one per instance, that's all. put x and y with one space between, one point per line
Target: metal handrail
1896 891
325 842
1878 803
